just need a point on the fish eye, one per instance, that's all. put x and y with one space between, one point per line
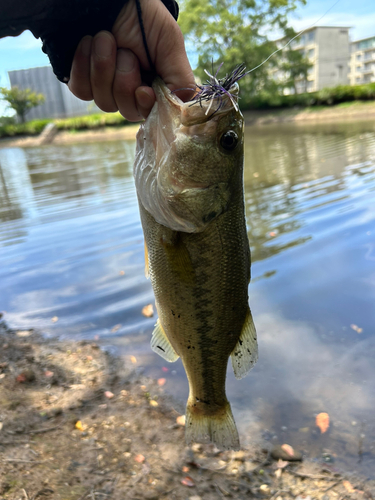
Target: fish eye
229 140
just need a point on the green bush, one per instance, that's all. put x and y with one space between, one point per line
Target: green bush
326 97
8 128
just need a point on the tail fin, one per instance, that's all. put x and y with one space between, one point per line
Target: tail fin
219 428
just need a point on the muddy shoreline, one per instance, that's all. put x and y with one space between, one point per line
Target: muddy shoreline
335 114
75 423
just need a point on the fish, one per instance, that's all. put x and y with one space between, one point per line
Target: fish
188 173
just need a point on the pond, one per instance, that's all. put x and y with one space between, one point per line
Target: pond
72 264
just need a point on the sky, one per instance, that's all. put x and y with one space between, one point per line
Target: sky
24 51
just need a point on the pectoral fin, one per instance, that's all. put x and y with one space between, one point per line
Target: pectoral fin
161 345
245 354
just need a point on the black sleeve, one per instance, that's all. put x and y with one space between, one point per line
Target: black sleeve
61 24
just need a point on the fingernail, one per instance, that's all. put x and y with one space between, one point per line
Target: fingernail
144 99
103 46
86 46
125 61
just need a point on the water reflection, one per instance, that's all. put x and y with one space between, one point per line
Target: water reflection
72 247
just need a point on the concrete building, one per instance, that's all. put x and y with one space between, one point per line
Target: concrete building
362 61
327 48
59 103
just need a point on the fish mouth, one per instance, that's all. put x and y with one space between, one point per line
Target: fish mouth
174 111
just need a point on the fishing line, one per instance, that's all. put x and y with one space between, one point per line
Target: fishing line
291 40
141 25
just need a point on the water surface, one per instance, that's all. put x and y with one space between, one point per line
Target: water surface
71 248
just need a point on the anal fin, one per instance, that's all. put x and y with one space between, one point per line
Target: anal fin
245 354
161 345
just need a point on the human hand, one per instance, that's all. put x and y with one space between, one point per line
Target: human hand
107 67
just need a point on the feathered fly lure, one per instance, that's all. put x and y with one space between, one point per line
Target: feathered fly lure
217 88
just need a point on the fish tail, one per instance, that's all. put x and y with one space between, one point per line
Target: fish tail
218 428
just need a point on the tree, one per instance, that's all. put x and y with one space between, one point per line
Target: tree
295 65
233 32
21 100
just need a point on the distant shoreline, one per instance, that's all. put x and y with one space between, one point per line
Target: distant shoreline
356 111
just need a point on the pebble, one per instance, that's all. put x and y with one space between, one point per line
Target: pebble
195 497
278 453
264 489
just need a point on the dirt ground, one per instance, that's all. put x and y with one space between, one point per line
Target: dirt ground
77 424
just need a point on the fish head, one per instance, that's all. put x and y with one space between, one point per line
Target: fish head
189 160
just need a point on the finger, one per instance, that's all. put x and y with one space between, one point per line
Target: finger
145 99
172 63
102 70
79 82
127 80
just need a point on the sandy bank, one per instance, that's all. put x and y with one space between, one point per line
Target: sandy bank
353 112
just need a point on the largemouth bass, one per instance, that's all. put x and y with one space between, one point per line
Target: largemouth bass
189 178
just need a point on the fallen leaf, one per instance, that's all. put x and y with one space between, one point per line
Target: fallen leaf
148 311
181 420
89 358
2 375
54 319
133 359
108 394
144 388
48 374
272 233
115 328
356 328
122 273
161 381
288 449
278 473
184 468
165 369
153 402
79 425
322 421
139 458
348 486
187 481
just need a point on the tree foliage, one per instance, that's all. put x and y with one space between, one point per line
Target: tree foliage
236 31
21 100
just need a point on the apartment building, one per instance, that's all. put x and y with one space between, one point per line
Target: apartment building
362 61
59 101
327 49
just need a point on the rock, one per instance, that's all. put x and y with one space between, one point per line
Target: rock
278 453
195 497
264 489
239 456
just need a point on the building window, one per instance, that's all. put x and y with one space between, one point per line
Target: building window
359 57
311 53
311 36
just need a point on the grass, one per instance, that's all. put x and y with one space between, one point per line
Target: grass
88 122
